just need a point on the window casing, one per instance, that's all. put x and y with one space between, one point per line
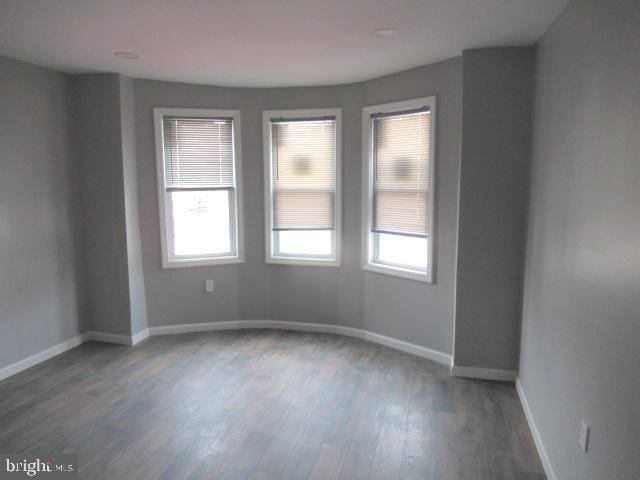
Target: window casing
302 186
398 188
199 186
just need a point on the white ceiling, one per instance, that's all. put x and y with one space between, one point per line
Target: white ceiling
262 43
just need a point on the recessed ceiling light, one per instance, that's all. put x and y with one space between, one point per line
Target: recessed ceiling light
127 55
384 32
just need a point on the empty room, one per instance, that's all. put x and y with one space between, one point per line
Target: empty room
338 239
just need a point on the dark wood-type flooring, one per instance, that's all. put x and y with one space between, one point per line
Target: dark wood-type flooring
264 404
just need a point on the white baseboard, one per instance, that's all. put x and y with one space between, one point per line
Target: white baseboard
424 352
484 373
435 355
62 347
41 356
542 452
205 327
417 350
117 338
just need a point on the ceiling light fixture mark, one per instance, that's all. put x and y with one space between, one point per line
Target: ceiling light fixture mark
384 32
127 55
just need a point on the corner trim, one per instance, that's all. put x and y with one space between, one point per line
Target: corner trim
420 351
537 439
117 338
108 338
484 373
41 356
140 336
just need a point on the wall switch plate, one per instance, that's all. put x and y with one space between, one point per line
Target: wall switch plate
584 436
208 286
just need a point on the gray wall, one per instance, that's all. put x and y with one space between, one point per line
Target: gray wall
96 99
497 87
580 352
404 309
39 286
177 296
137 296
124 287
325 294
413 311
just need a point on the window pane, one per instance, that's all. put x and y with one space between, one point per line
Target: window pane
401 173
201 222
198 152
305 242
303 164
403 251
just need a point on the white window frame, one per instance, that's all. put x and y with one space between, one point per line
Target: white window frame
368 243
236 214
270 257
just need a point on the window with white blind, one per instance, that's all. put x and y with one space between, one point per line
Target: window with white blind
302 186
398 146
198 162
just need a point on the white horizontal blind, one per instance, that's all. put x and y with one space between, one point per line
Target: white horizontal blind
401 169
303 163
198 153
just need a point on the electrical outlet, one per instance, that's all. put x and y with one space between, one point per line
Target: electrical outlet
584 436
208 286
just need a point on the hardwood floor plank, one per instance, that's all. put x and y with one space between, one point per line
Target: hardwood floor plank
285 438
307 447
247 457
258 475
329 463
386 461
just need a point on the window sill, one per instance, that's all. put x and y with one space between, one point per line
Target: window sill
201 262
302 261
399 272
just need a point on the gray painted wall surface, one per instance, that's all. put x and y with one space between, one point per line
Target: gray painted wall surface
177 295
405 309
497 86
137 297
96 99
39 300
325 294
124 286
580 352
413 311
